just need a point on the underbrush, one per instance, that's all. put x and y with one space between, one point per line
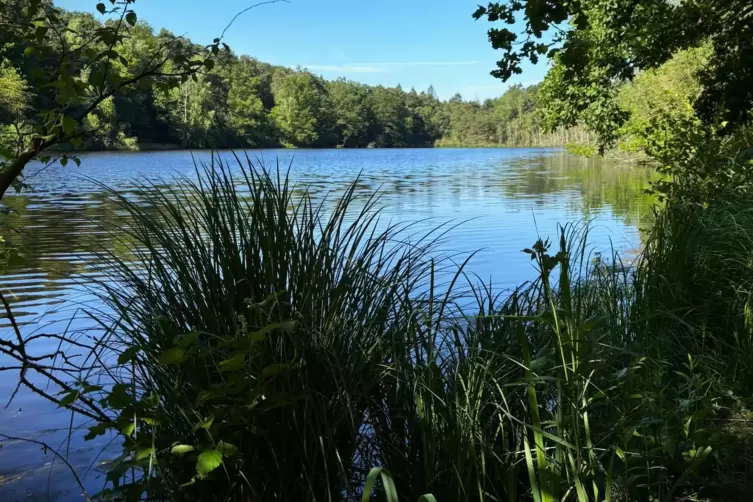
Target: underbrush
260 346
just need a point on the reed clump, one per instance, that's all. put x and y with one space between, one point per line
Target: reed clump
263 346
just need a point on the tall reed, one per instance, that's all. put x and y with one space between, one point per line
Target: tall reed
270 347
249 305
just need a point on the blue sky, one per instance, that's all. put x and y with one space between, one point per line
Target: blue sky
415 43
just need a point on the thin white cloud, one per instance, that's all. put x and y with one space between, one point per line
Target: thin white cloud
346 68
382 67
429 63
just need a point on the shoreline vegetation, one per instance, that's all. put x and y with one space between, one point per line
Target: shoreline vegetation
258 345
240 102
270 323
151 147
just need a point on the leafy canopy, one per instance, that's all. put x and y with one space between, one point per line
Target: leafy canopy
77 65
596 44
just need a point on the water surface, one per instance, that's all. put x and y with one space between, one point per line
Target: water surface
502 199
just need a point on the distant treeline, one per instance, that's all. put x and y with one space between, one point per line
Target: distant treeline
242 102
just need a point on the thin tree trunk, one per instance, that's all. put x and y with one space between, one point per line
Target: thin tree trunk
14 170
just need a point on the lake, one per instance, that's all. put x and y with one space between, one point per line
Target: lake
501 199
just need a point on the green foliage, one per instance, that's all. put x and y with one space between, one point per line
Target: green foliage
302 110
123 85
611 42
247 116
350 102
14 92
695 250
275 370
76 65
513 119
275 338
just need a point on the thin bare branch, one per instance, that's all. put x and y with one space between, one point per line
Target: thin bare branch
58 455
246 10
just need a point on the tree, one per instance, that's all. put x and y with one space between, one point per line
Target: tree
662 122
114 82
392 119
611 41
247 117
302 109
350 106
89 67
14 101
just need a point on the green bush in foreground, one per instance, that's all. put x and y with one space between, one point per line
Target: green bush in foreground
264 347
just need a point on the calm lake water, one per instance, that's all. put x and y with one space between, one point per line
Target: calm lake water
502 198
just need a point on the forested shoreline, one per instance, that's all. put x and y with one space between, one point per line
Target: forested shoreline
253 340
241 102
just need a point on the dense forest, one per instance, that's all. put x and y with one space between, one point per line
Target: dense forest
242 102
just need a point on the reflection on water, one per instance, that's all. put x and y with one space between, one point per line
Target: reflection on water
504 198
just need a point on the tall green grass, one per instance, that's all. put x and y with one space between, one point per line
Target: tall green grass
273 317
698 278
270 347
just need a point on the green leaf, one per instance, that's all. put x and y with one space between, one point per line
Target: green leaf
234 363
64 161
119 397
76 142
143 452
176 355
387 482
29 51
180 449
69 124
273 370
209 63
207 462
128 428
206 424
101 8
96 430
128 355
227 449
131 18
68 399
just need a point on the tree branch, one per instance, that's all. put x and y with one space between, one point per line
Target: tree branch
58 455
246 10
